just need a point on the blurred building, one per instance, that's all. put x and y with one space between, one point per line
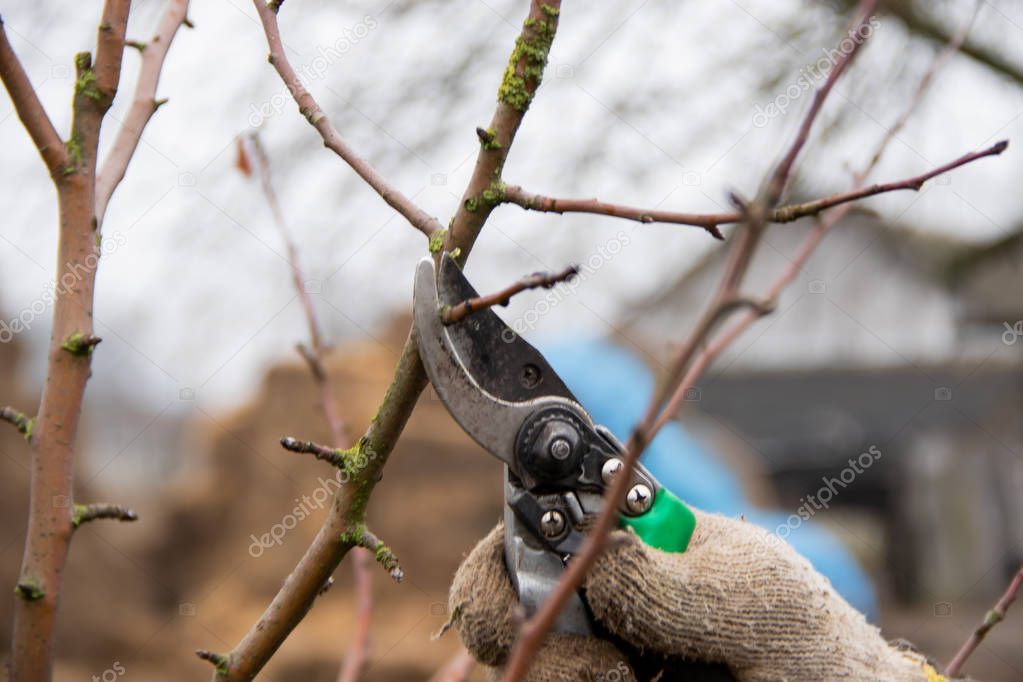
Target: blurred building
892 340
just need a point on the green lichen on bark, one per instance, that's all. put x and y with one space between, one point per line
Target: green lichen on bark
488 139
74 153
79 344
386 558
495 193
354 535
85 82
437 239
29 590
525 67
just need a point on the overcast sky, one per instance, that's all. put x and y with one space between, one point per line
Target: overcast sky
651 103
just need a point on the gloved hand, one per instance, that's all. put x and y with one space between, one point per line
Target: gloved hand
737 596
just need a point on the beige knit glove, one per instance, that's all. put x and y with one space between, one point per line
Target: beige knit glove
737 596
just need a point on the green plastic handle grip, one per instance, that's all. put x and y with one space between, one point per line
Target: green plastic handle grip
667 525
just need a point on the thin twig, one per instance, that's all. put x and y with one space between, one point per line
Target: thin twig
537 202
332 456
332 139
358 652
20 420
30 110
383 554
538 280
711 221
535 628
825 222
993 617
457 669
84 513
144 104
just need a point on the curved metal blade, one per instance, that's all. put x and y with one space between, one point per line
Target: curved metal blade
499 360
492 421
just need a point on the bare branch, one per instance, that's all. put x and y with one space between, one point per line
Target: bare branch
332 139
382 553
294 599
50 529
711 221
522 78
30 110
536 202
995 616
538 280
219 661
795 211
144 104
457 669
332 456
536 627
358 652
825 222
775 187
84 513
21 421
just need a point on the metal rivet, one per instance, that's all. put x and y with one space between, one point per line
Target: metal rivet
560 448
639 499
531 376
610 470
552 523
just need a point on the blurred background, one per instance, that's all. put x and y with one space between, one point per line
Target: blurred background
902 336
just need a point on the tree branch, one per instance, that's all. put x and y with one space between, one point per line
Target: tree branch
30 110
72 166
538 280
332 139
536 202
382 553
535 628
522 77
711 221
333 456
919 21
21 421
457 669
995 616
358 652
144 104
294 599
84 513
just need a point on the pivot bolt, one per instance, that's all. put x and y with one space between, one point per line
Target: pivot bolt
560 448
610 470
552 523
639 499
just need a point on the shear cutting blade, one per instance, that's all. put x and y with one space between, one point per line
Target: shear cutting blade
489 378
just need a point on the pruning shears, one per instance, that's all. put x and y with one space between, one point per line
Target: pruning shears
558 463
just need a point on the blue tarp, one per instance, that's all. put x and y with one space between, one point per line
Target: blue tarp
615 388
